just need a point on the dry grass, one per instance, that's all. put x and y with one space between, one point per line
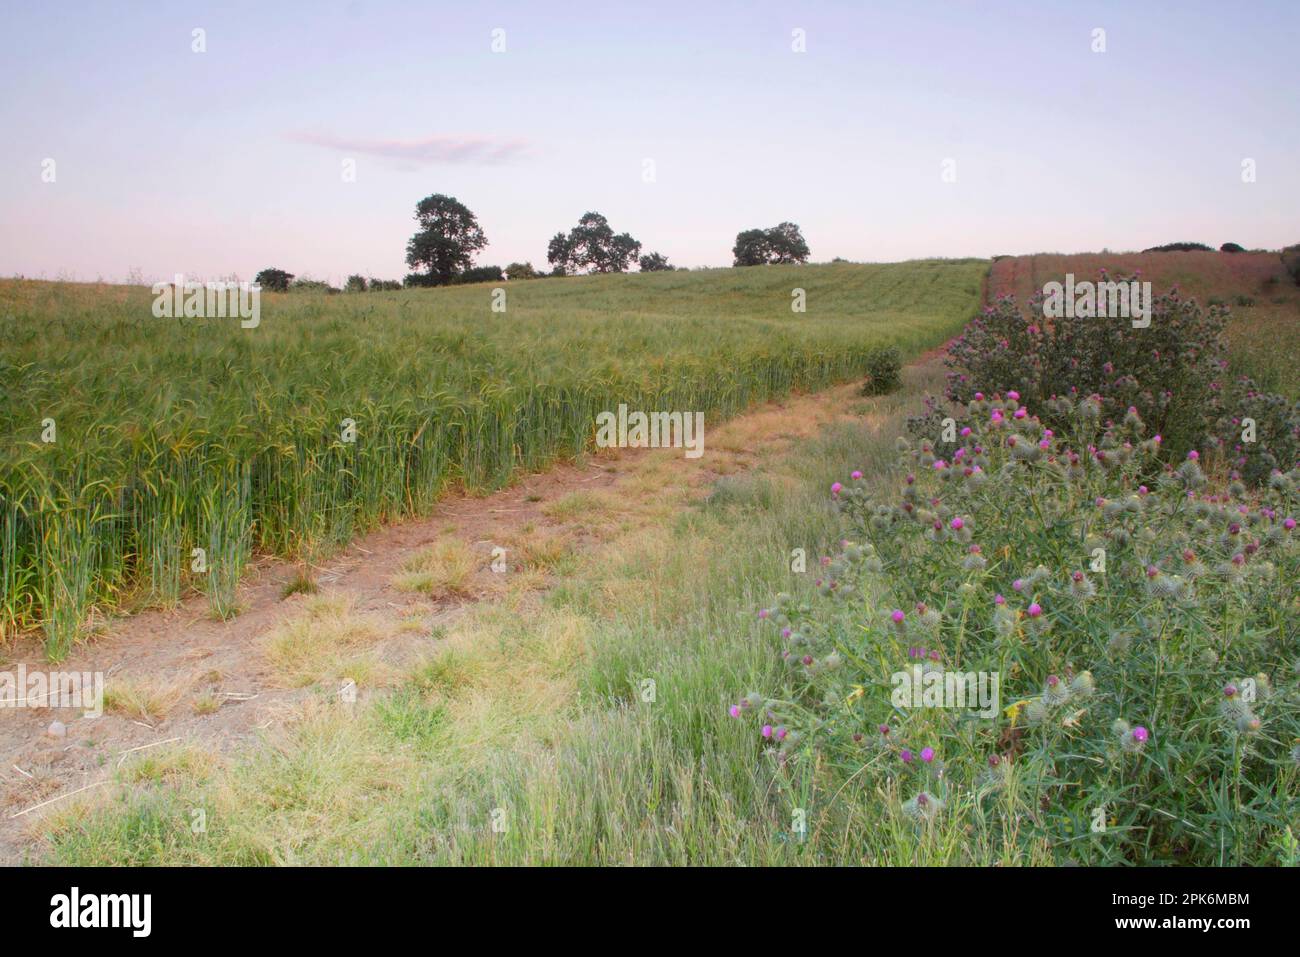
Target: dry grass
147 700
583 506
443 570
537 550
207 703
329 641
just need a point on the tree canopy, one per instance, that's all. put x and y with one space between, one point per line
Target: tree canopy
274 280
445 244
783 243
592 246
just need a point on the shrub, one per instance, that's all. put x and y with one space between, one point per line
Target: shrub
312 285
1142 638
522 270
654 262
355 283
1170 372
1232 248
480 274
1173 374
884 371
1291 261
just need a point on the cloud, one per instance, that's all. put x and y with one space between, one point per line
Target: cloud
430 149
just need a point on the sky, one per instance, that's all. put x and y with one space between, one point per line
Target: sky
900 130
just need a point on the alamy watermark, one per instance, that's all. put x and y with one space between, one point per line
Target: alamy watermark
1100 300
208 300
919 687
651 430
53 689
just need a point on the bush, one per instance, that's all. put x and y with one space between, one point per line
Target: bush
1291 261
312 285
1171 371
479 274
1174 374
522 270
355 283
1232 248
1142 638
884 371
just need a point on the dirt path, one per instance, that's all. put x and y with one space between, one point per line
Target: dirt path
181 676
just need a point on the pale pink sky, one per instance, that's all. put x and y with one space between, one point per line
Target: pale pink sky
226 161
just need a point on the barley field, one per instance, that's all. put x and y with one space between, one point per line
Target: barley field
131 442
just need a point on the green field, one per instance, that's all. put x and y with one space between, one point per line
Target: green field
172 435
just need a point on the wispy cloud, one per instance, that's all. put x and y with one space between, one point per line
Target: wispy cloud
430 149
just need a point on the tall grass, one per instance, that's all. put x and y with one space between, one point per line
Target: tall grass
181 434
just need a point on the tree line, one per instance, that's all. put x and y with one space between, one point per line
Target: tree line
448 237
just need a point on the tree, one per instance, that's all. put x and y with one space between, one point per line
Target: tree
1232 248
522 270
654 262
783 243
274 280
446 242
355 283
592 246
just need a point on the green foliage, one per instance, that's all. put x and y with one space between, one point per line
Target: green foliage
1174 373
312 285
480 274
355 283
1143 638
783 243
274 280
654 262
447 239
1232 248
884 371
592 246
522 270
